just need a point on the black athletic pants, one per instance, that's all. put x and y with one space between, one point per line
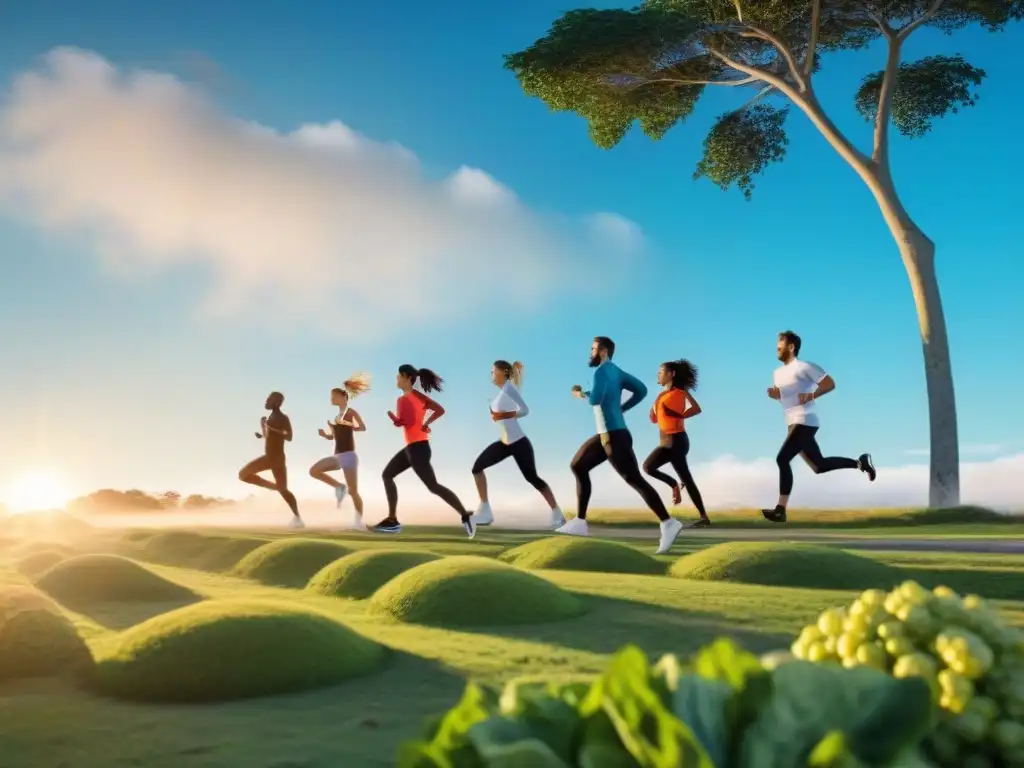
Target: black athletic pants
615 447
801 442
673 449
521 450
416 456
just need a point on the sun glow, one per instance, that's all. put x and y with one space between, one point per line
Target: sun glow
36 492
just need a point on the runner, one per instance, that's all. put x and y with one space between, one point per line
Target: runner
506 409
275 429
342 430
674 405
412 407
613 442
797 385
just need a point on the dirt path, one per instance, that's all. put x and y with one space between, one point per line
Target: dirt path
982 546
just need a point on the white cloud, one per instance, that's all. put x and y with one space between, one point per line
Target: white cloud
159 178
969 449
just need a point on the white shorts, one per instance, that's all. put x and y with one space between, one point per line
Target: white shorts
347 460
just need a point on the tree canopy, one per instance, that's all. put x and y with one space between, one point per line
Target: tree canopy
650 65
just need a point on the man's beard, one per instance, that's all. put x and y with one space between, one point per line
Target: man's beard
595 361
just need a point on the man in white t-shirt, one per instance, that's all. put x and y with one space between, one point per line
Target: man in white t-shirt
797 384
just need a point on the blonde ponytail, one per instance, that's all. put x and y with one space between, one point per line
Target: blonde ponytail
516 374
357 384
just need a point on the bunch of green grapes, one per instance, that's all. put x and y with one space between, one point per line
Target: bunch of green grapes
972 660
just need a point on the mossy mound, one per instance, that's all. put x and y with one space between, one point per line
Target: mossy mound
224 553
361 574
224 650
473 591
205 552
289 562
40 561
572 553
786 565
90 579
36 639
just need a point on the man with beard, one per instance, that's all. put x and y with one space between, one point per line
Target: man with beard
797 385
613 442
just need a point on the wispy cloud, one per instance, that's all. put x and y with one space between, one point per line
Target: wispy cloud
969 449
158 177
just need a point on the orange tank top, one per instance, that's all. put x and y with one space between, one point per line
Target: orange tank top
411 410
674 399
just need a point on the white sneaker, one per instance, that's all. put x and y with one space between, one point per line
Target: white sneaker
296 522
669 530
483 514
357 522
340 492
557 518
574 527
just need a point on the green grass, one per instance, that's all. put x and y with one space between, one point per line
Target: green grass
89 579
223 650
40 561
359 722
778 564
567 553
289 562
36 639
359 575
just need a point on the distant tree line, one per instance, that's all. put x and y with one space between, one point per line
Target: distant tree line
134 500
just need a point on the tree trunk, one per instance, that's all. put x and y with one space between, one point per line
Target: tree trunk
918 254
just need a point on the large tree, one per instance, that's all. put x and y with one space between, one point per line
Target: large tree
651 64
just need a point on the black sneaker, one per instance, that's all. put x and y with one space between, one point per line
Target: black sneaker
867 466
701 522
388 525
777 515
468 525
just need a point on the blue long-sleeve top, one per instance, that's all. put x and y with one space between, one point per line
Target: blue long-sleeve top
606 396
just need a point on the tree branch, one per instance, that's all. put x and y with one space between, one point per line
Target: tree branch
809 105
782 48
739 10
812 46
681 81
920 21
880 152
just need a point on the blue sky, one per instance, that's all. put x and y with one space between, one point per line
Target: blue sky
114 375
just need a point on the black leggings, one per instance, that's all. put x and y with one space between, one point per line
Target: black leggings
417 457
616 447
673 449
521 450
800 442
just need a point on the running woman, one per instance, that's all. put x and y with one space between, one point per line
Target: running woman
412 407
797 384
673 406
613 442
507 408
342 430
275 429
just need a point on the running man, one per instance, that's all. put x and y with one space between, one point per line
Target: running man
412 407
507 408
797 384
342 430
275 429
613 442
673 406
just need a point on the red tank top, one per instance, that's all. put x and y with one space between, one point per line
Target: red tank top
411 411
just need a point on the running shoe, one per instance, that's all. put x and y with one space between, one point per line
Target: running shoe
557 519
867 466
357 523
340 492
468 525
388 525
670 529
700 522
296 522
777 515
574 527
483 515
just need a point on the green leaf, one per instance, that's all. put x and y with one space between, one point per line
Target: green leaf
726 661
741 145
879 717
529 753
645 726
547 712
925 91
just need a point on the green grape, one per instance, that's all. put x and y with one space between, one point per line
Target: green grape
857 624
942 591
969 727
848 644
811 633
899 646
816 652
799 649
831 644
914 665
776 659
975 603
894 601
873 597
871 655
890 629
850 662
831 622
914 593
917 620
1008 735
955 685
951 703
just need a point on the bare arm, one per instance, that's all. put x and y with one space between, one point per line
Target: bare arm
826 385
356 421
